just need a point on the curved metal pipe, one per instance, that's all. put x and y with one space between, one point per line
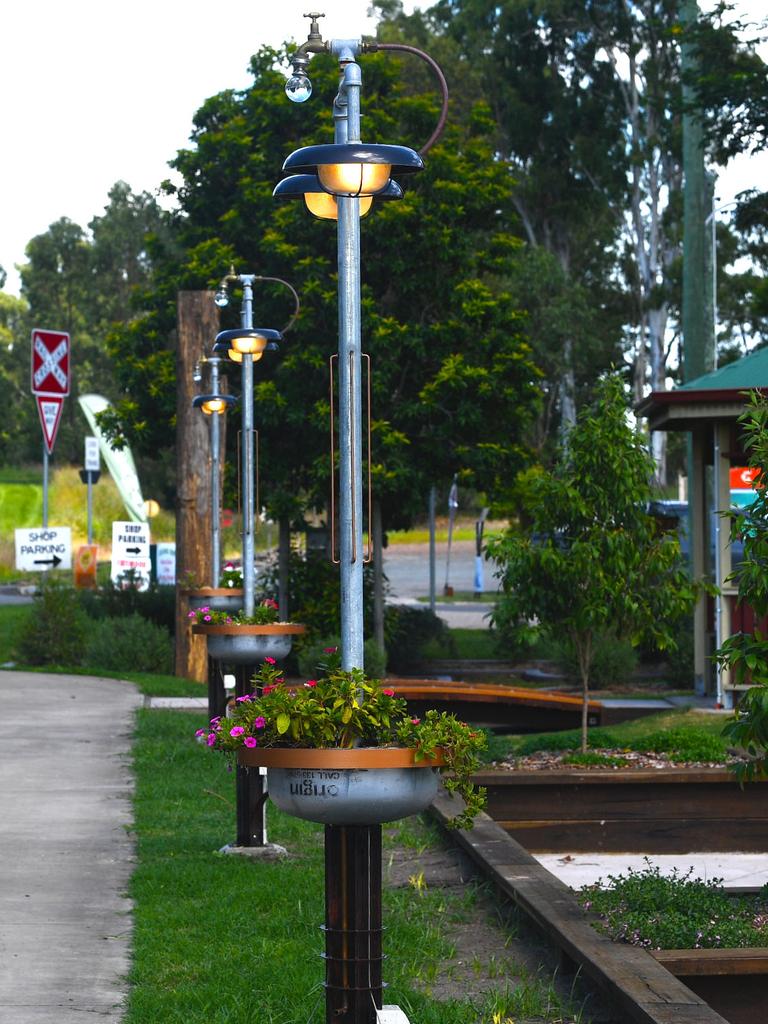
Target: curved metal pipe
373 47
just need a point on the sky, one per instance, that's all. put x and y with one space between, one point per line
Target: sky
95 92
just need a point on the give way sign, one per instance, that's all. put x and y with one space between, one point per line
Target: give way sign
50 379
50 362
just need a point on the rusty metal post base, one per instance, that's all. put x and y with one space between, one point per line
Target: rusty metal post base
353 926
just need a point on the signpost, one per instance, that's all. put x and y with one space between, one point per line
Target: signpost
90 475
43 548
49 379
130 553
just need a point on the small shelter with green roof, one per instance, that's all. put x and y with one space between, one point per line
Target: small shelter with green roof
708 408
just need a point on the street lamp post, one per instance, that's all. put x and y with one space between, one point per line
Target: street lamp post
341 181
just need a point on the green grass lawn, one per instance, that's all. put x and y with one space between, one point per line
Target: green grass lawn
227 940
692 734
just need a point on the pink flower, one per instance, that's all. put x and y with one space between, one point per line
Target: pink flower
267 689
415 721
236 730
251 741
191 615
388 693
269 603
206 618
216 720
200 732
330 650
242 700
311 682
211 739
270 661
260 722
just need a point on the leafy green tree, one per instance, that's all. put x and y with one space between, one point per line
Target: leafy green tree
590 560
559 128
746 654
82 281
454 384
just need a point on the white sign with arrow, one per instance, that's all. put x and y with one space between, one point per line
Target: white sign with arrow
43 548
130 553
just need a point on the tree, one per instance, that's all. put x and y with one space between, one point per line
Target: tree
82 281
559 130
453 379
591 561
746 654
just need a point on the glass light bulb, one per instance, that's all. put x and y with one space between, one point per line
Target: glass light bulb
221 298
298 88
248 344
354 179
323 205
217 405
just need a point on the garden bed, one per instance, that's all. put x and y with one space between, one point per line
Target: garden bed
734 982
652 810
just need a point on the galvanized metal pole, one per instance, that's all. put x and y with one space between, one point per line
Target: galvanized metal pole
350 416
45 486
90 506
215 481
246 314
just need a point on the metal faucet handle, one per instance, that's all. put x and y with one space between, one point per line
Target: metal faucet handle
314 28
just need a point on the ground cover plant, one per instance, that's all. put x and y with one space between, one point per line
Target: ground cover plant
675 911
222 939
686 736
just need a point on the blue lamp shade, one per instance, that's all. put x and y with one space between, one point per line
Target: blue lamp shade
211 404
354 168
321 203
242 341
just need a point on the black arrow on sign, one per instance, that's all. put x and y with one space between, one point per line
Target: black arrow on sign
48 561
133 551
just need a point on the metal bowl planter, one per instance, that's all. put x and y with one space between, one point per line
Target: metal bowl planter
218 599
358 786
239 644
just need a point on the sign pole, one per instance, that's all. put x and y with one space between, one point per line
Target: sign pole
45 486
90 509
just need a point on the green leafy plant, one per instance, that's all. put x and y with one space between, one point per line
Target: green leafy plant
55 631
348 709
591 559
676 911
129 644
263 615
317 658
231 577
745 655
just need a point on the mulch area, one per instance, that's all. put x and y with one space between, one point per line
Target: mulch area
548 759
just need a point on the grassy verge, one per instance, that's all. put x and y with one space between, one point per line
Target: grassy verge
691 734
220 939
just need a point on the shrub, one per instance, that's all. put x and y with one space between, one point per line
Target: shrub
613 660
407 631
129 643
646 908
312 658
314 593
157 604
689 744
54 633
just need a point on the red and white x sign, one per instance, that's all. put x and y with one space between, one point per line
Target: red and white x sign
50 362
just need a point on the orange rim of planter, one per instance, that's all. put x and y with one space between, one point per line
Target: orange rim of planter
214 592
334 757
248 629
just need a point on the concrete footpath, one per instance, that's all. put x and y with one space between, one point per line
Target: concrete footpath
66 854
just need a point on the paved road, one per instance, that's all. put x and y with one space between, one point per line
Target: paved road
65 853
